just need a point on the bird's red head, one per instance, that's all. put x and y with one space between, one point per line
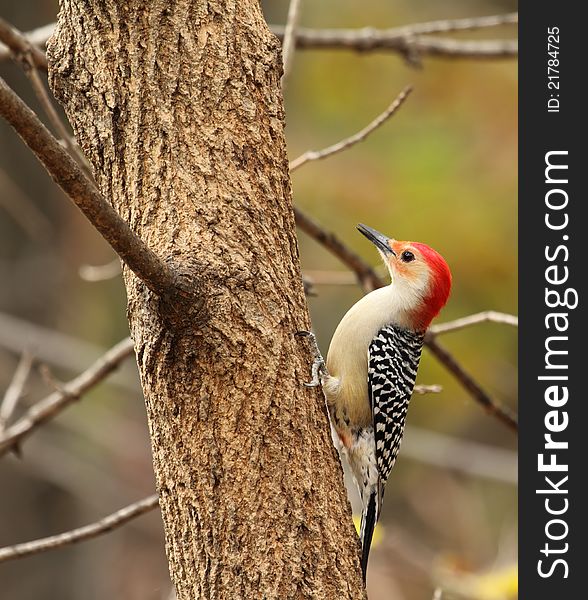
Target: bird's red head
420 276
439 282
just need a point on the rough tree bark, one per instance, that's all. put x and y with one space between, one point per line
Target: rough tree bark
178 108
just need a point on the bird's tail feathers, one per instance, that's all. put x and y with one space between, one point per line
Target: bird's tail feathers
369 517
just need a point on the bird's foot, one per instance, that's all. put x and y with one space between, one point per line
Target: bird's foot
319 369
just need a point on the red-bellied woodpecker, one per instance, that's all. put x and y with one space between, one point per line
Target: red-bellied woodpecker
372 364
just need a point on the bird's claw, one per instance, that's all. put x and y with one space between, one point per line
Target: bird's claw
319 370
304 333
311 384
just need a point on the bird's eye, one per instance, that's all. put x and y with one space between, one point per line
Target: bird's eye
407 256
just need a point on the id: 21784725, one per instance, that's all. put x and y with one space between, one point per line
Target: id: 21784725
553 69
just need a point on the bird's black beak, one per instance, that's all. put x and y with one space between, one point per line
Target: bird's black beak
378 239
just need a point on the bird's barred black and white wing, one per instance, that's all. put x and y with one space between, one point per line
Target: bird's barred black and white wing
393 360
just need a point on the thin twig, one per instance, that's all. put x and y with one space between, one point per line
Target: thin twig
15 389
105 525
289 43
310 155
52 405
68 175
482 317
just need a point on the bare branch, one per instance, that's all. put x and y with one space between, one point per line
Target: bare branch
69 176
105 525
14 390
405 40
408 41
289 43
53 404
482 317
356 138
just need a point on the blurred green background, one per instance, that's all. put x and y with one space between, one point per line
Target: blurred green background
443 171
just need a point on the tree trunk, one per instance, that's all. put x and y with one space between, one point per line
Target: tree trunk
178 108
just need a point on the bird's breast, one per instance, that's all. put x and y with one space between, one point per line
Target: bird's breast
347 388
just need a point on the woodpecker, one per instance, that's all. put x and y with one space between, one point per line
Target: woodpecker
372 363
